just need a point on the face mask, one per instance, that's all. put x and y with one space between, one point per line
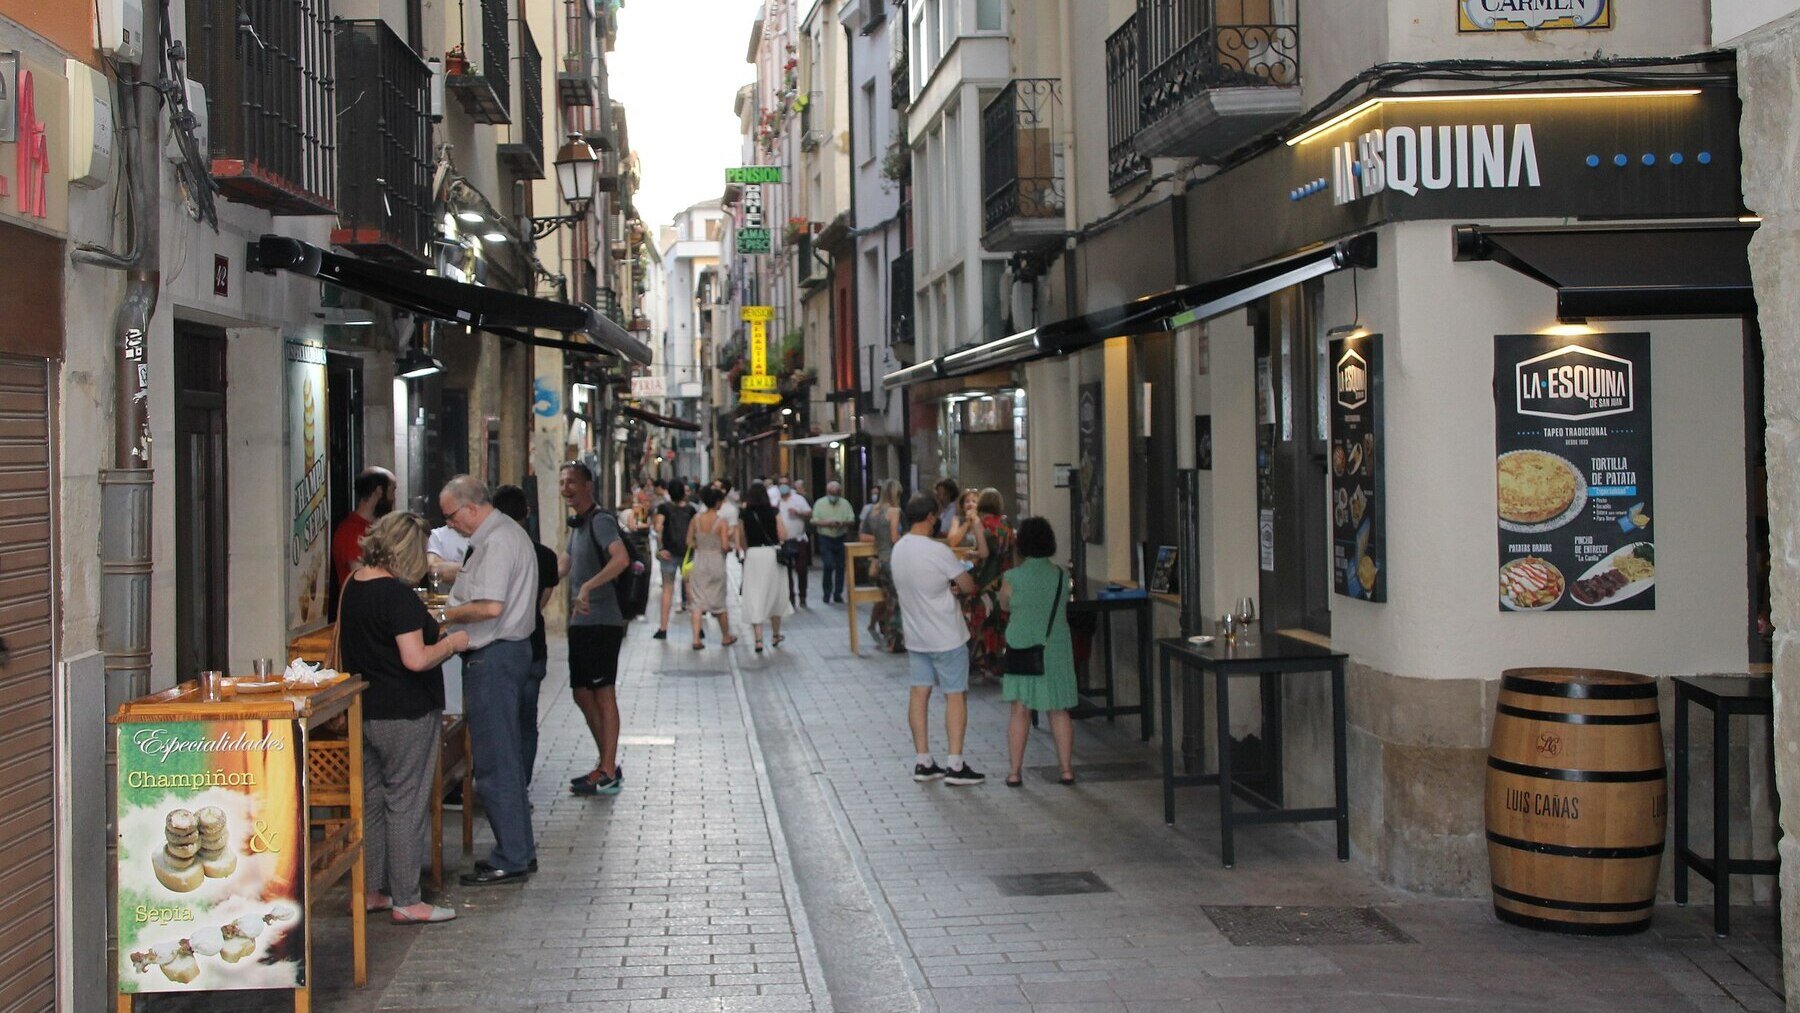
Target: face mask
787 490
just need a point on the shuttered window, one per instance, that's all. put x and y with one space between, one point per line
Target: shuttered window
27 732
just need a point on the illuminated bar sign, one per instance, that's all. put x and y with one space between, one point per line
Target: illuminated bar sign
1532 15
753 231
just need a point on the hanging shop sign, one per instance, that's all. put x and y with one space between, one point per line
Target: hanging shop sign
211 860
1089 432
1580 153
757 385
1358 493
753 235
1573 470
649 386
309 555
34 137
1531 15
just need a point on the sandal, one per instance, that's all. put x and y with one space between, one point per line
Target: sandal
699 645
759 646
728 643
384 904
438 914
778 639
1015 781
1066 780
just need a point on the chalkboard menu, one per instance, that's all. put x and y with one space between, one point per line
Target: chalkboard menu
1358 535
1572 415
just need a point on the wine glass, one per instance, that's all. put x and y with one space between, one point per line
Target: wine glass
1246 611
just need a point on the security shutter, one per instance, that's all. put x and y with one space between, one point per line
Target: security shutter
27 733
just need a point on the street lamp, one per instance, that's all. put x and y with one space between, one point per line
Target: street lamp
577 171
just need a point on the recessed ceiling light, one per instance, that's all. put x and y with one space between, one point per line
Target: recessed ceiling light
472 217
494 237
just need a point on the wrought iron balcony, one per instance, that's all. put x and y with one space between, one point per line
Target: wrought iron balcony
900 304
524 154
1123 163
270 106
1022 166
812 122
484 89
607 302
1215 73
575 81
384 178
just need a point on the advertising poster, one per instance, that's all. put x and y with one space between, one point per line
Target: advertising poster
1358 503
309 544
1573 472
1088 433
211 856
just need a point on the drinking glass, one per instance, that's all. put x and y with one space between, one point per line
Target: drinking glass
211 685
1246 611
264 668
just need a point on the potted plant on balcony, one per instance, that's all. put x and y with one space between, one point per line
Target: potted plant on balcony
574 62
796 227
456 62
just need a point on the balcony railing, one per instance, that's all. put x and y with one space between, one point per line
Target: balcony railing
384 178
812 122
607 302
267 71
899 72
1022 165
900 300
525 154
485 89
1123 163
1213 73
575 81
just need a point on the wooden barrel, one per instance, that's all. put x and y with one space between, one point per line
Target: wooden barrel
1577 800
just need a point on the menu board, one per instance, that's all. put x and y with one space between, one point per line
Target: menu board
1088 445
211 856
1572 415
1358 504
309 544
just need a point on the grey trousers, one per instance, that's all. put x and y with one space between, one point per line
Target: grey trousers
399 757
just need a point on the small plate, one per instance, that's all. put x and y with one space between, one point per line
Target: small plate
1202 640
253 686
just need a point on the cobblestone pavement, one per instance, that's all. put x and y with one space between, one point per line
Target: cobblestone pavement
770 852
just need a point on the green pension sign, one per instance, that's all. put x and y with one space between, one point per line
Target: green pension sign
753 174
754 241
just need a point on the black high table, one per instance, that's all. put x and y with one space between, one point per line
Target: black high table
1724 696
1105 609
1268 654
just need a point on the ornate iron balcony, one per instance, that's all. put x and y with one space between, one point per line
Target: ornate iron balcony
1022 165
1211 81
1123 163
575 81
900 300
524 155
607 302
270 105
384 179
485 89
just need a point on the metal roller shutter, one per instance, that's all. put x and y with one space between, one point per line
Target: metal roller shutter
27 719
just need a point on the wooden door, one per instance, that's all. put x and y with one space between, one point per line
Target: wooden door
202 612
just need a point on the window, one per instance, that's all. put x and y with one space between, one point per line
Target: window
955 335
865 126
995 304
712 230
987 15
952 24
952 228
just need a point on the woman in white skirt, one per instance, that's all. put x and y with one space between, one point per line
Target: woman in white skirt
760 533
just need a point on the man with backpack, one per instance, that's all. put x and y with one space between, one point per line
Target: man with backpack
672 520
595 560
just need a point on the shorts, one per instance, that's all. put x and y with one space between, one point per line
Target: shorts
671 568
947 670
594 656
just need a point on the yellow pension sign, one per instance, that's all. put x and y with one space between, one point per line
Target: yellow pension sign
758 397
755 314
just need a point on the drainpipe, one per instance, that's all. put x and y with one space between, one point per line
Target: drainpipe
125 488
858 439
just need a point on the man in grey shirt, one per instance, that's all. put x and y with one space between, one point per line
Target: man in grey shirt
595 558
494 600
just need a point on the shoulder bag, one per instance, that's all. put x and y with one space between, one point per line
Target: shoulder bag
1030 660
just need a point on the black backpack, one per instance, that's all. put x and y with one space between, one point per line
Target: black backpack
675 528
633 586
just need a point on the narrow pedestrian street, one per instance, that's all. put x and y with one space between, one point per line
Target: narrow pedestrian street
770 852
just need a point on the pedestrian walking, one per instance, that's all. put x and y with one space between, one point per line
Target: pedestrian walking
511 501
672 520
795 512
706 577
592 560
494 601
1035 594
927 578
833 519
390 639
882 527
761 535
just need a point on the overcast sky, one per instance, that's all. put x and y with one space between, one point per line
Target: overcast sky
677 67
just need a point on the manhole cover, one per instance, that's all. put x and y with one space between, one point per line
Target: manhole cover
1098 772
1305 926
1050 884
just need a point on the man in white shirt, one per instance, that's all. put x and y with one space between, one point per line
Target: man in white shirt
445 550
924 572
795 511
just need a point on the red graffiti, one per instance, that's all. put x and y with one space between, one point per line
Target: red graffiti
34 154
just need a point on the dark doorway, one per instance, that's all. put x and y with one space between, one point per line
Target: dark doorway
202 591
344 450
1756 469
1291 461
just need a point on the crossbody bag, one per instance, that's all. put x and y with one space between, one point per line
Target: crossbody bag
1030 660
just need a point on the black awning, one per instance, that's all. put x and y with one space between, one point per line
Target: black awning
428 295
665 421
1604 271
1150 314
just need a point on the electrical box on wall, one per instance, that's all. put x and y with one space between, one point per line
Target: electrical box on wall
90 126
437 89
196 103
122 29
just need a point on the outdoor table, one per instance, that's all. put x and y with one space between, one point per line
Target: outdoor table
333 789
1105 609
1723 695
855 593
1275 656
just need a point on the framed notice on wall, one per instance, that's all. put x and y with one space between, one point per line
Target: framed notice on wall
1532 15
1573 472
1358 496
309 502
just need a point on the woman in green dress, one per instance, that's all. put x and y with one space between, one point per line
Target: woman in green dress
1036 593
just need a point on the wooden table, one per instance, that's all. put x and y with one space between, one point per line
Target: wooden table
456 762
335 783
1267 655
855 593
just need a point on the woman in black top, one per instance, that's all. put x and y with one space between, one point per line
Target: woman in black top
760 533
387 637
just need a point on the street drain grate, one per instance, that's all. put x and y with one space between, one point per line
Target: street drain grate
696 672
1050 884
1305 926
1102 772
